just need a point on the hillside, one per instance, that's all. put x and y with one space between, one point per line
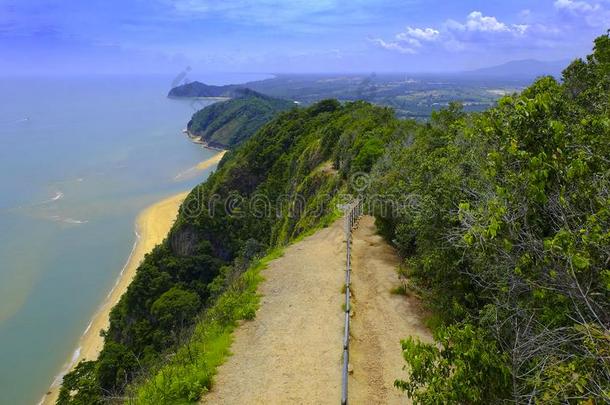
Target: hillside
269 191
228 123
198 89
501 220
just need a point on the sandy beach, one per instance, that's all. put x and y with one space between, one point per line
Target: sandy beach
206 164
214 160
152 226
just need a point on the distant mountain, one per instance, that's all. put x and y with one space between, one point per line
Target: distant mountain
228 123
198 89
529 68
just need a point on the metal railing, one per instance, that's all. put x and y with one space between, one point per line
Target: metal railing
352 214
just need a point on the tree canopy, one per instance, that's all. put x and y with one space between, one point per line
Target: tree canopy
509 242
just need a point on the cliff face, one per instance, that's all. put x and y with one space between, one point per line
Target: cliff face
228 123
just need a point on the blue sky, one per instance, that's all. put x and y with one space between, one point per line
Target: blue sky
165 36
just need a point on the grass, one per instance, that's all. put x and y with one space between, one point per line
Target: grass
313 224
190 371
400 289
433 321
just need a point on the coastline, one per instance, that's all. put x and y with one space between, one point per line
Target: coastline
206 164
151 227
214 160
197 139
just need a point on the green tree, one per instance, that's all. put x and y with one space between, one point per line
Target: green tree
468 368
115 367
174 307
508 235
80 387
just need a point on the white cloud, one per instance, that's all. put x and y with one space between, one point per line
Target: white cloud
409 41
424 34
402 37
520 28
577 6
477 22
393 46
592 14
455 36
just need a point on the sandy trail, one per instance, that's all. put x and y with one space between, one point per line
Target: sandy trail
291 352
380 320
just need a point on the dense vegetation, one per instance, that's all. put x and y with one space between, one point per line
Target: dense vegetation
228 123
506 236
198 89
504 231
277 186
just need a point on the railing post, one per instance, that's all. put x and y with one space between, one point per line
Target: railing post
344 382
354 211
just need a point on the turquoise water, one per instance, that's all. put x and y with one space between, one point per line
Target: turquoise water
79 158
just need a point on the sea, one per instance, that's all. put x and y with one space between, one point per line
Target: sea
80 157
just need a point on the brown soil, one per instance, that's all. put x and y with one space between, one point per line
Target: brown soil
291 352
381 319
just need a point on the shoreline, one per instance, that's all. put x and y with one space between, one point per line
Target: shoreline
201 166
151 227
197 139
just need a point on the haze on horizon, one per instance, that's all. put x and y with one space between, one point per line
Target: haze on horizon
278 36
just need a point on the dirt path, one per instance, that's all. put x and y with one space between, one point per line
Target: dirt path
380 320
291 352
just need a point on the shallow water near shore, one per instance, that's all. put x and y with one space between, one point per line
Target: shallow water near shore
79 158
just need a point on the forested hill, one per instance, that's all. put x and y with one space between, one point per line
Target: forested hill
502 218
274 187
198 89
227 123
